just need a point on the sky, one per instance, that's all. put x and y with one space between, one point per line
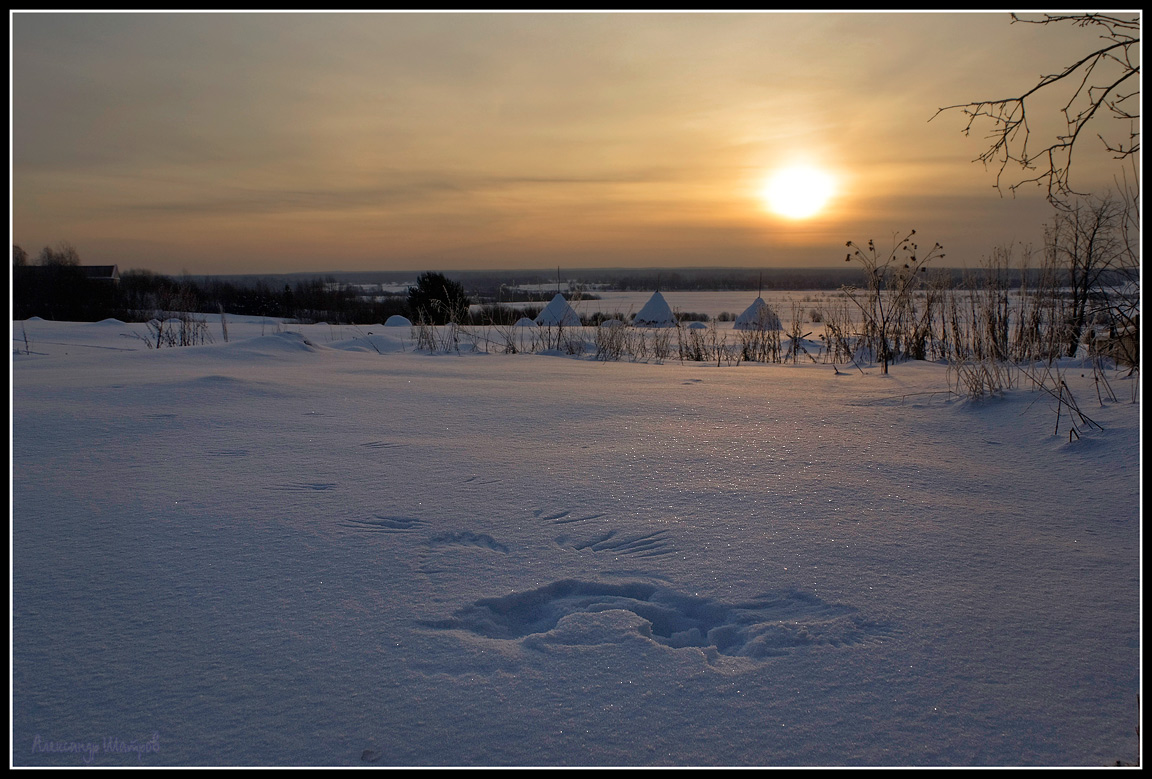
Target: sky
217 143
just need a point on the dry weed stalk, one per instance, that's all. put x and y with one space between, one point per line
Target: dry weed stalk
888 303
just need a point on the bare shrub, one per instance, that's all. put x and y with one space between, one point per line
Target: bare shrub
759 345
223 322
611 341
661 343
24 336
887 304
980 378
693 344
838 331
436 339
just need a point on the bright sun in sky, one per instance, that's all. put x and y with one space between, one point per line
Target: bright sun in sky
798 192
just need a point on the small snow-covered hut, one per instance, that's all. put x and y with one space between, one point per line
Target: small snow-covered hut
757 316
656 313
558 314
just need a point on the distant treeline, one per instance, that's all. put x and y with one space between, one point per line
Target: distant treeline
508 285
502 284
61 289
66 292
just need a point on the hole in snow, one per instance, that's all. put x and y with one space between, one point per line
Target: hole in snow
772 625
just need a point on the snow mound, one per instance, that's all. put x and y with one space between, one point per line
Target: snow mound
371 342
655 313
273 345
558 312
216 387
572 612
758 316
398 321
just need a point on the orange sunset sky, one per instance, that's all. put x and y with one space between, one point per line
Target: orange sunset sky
218 143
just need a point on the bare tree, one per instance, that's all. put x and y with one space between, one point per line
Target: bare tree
1124 290
1104 82
64 254
1087 240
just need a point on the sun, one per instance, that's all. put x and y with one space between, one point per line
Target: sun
798 192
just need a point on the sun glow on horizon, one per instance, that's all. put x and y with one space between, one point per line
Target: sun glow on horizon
798 192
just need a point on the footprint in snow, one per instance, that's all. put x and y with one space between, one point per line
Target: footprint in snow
444 550
563 517
476 480
303 487
655 544
227 452
380 523
596 613
381 445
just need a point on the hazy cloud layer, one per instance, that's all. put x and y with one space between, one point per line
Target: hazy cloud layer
545 135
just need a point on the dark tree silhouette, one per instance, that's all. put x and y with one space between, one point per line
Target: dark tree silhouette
64 254
437 300
1103 82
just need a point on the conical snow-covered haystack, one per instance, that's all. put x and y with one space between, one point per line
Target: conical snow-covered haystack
757 316
558 313
656 313
525 322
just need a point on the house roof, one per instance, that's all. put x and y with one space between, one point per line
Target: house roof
100 271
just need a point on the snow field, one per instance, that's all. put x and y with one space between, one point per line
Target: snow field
321 548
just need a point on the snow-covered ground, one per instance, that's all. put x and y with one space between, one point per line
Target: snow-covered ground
314 546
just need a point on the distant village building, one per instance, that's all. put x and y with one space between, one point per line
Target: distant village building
101 273
63 291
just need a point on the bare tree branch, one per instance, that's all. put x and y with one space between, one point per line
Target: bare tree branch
1101 92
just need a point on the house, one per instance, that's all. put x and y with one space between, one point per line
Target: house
110 273
1122 345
